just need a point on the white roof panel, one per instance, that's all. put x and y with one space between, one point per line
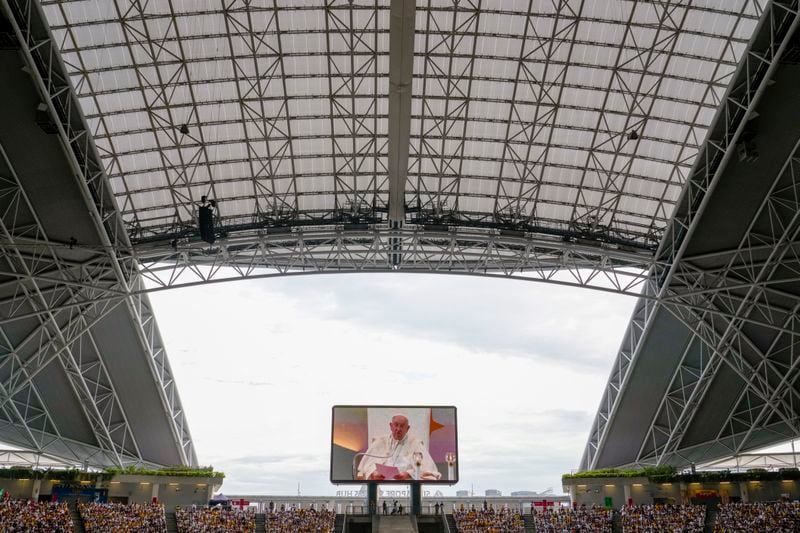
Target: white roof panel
609 70
603 106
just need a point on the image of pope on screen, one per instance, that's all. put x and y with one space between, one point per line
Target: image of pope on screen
393 444
397 456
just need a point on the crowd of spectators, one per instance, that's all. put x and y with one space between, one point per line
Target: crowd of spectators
651 518
779 517
582 519
117 517
215 520
22 516
489 521
301 521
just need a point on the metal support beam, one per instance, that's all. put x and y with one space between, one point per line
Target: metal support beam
781 208
114 271
460 251
776 27
401 67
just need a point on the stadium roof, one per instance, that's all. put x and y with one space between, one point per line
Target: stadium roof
568 117
564 141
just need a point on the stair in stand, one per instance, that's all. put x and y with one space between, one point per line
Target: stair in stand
616 521
338 525
77 521
451 523
711 519
172 523
530 525
261 523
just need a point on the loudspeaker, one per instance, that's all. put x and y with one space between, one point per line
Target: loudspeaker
206 220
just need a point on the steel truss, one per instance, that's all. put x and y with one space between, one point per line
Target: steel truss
746 461
35 460
463 168
769 397
552 199
746 290
287 122
276 160
63 287
63 337
375 249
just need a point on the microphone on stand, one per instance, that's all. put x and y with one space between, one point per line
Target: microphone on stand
365 454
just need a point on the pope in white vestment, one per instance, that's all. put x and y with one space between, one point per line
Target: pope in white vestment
397 450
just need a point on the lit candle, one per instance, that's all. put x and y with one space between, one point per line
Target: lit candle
417 461
450 458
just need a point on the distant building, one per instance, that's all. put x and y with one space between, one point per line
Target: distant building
523 493
493 492
462 494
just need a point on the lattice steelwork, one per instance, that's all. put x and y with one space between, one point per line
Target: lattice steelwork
574 117
567 141
276 110
55 295
742 310
571 115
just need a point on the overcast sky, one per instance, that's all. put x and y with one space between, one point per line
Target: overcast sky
260 363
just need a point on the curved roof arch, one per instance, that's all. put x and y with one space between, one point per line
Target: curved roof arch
540 139
574 118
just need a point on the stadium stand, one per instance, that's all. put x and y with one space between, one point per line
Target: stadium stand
779 517
301 521
116 517
488 521
214 519
21 516
647 518
583 519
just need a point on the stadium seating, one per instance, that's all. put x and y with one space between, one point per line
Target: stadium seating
773 517
21 516
301 521
489 521
215 520
647 518
582 519
138 518
31 517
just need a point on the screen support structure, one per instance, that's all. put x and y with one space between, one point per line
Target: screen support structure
416 498
372 498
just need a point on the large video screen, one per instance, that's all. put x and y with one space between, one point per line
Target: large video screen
394 444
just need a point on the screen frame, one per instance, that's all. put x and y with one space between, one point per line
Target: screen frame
396 481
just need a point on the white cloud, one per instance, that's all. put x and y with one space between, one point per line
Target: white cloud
260 363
